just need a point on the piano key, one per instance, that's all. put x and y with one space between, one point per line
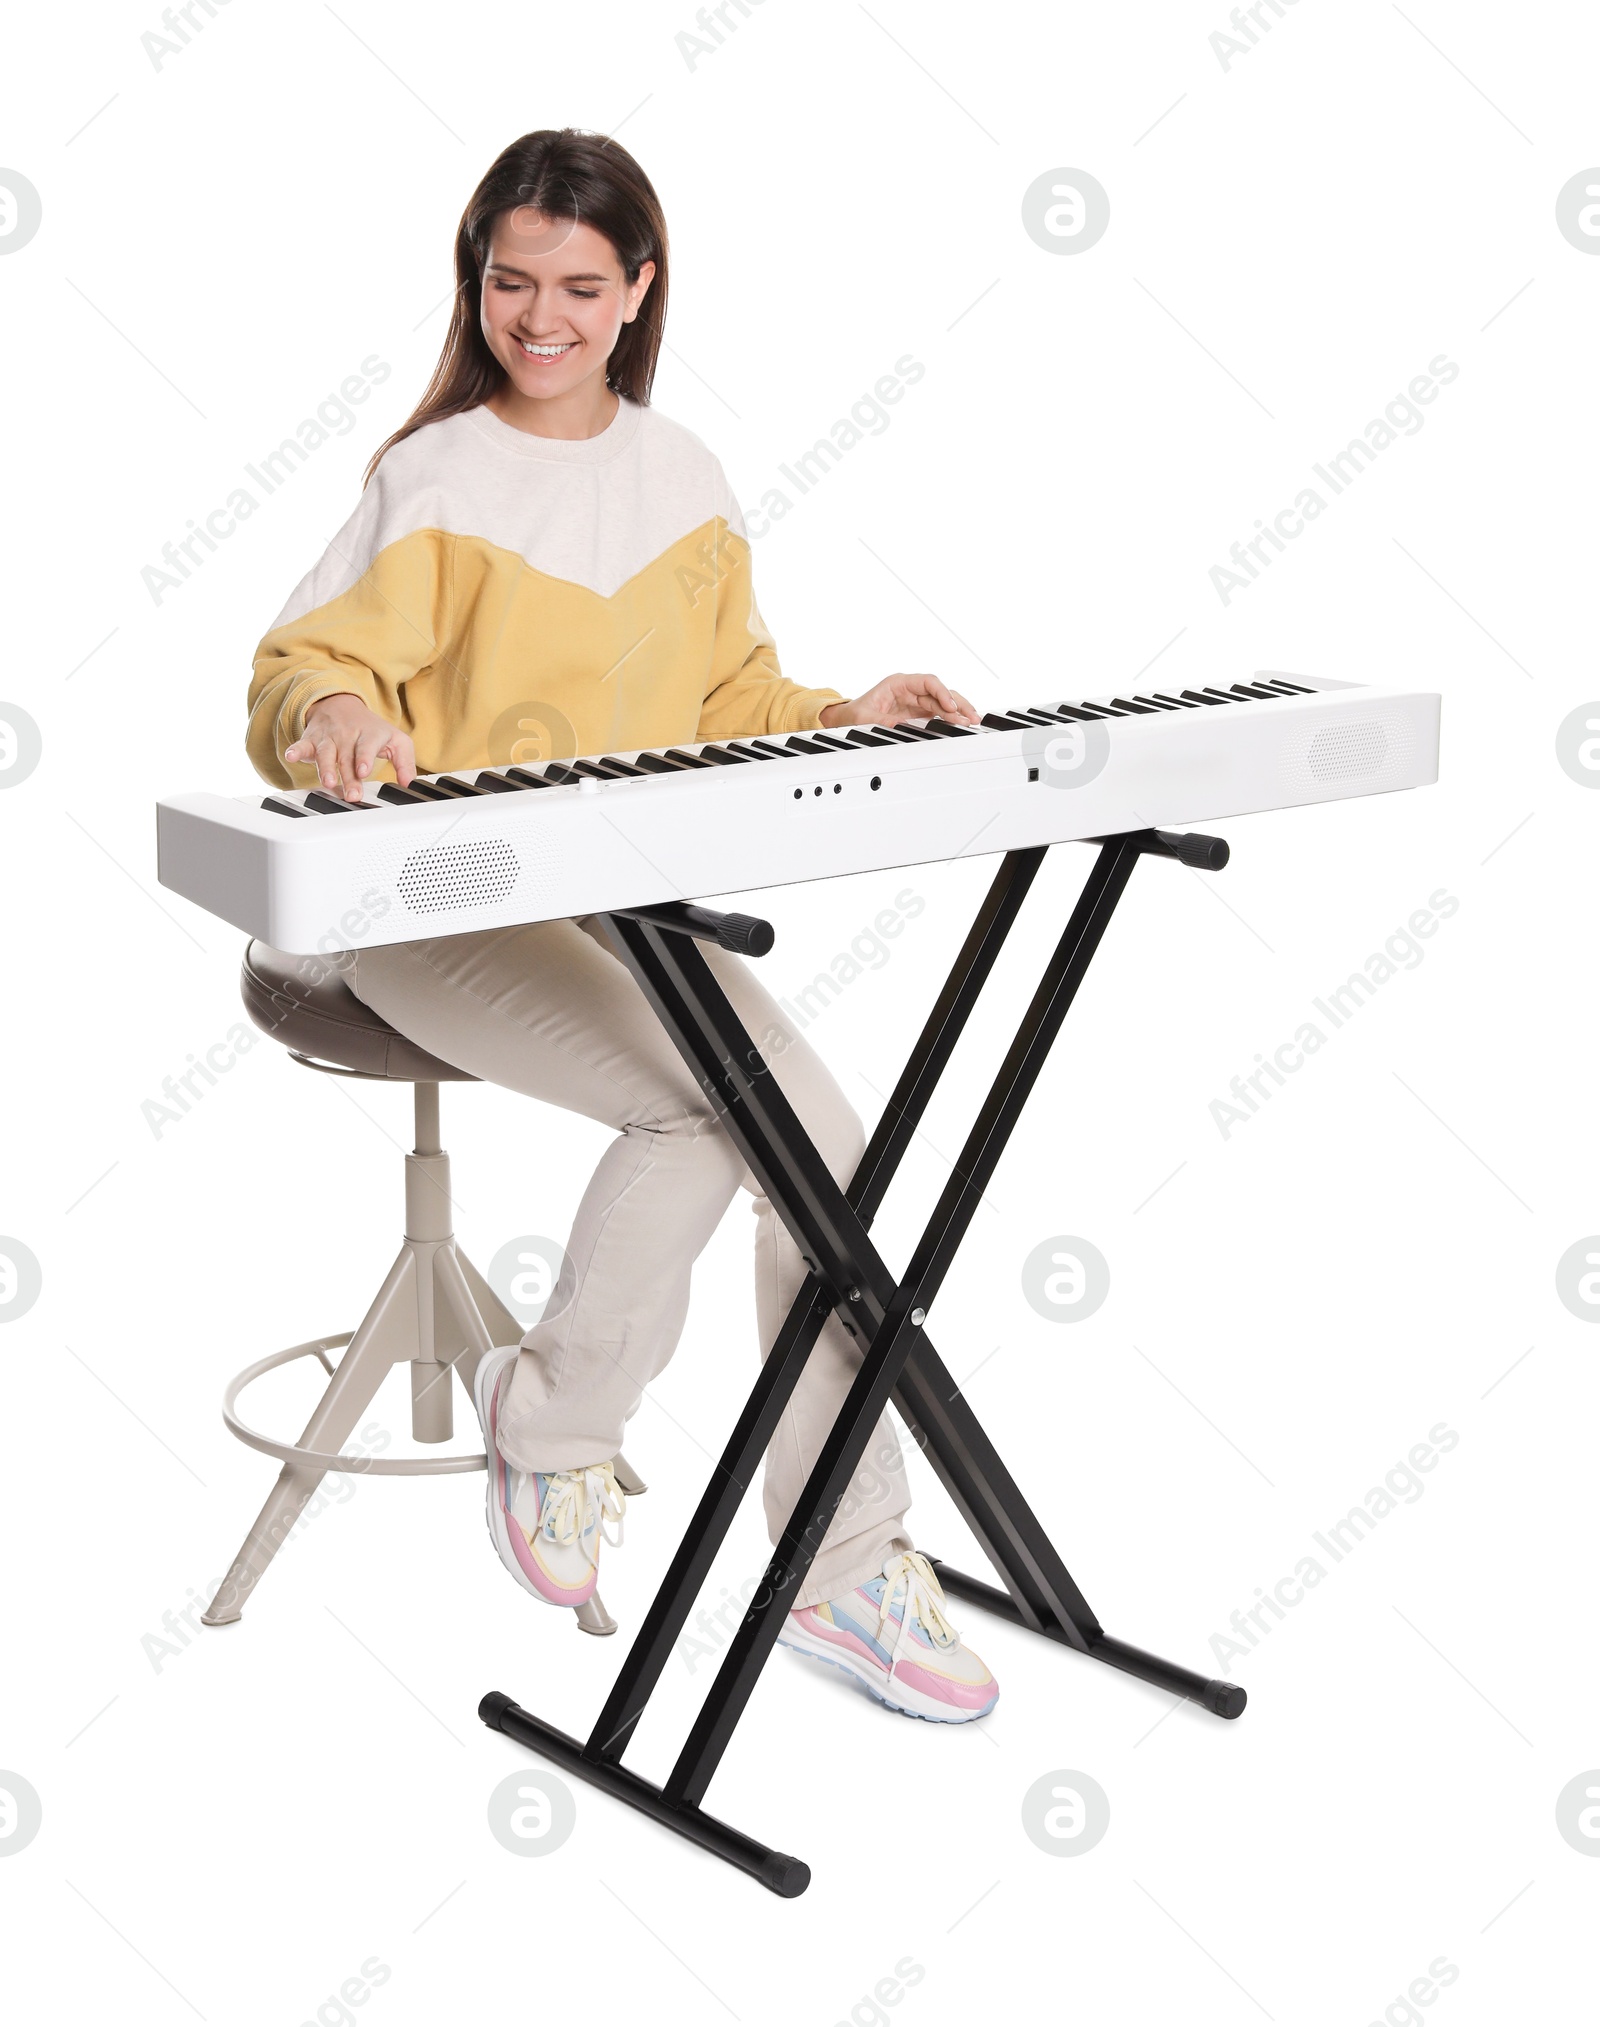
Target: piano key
492 783
1293 689
525 777
1211 690
750 752
796 744
620 770
1252 690
1067 714
894 736
860 736
452 784
1138 710
1155 703
771 750
663 763
947 730
591 770
914 731
721 756
830 741
391 791
1177 703
281 808
686 759
1204 697
1005 721
330 805
1033 715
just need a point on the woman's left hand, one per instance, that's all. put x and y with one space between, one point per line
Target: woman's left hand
902 697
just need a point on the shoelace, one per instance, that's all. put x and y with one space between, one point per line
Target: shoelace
567 1501
924 1602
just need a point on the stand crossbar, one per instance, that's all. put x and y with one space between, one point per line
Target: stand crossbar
848 1277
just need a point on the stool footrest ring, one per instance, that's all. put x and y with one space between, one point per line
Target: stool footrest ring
329 1460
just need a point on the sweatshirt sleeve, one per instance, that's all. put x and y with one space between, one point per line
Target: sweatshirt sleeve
368 619
747 692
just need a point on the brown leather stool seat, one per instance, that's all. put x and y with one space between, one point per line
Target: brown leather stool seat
304 1003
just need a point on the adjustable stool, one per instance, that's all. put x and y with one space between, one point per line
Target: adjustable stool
434 1308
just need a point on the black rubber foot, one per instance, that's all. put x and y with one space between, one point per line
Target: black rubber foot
1227 1699
787 1877
493 1708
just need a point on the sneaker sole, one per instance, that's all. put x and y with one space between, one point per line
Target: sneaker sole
489 1370
876 1686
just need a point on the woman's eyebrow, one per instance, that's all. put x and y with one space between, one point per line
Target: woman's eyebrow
506 267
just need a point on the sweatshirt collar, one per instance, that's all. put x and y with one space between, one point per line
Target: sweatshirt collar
586 450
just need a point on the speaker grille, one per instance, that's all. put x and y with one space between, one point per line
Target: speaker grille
1343 752
441 878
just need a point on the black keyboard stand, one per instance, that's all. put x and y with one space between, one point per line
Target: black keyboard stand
830 1226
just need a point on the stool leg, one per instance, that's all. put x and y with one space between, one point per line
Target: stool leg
387 1334
627 1477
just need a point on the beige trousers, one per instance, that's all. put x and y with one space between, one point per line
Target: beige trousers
546 1009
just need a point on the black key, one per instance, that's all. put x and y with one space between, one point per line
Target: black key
894 737
721 756
1007 721
1138 710
391 791
947 730
861 737
1291 689
831 741
560 773
796 744
525 777
1069 714
1252 690
452 784
1155 703
282 808
493 784
685 759
659 763
1177 703
1096 710
1211 690
330 805
591 770
772 752
751 752
1202 697
914 731
619 770
1033 716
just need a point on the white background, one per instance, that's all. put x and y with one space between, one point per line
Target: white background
232 1833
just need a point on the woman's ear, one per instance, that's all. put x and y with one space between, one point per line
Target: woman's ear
637 288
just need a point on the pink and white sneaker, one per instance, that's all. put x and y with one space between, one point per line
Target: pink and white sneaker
547 1526
892 1635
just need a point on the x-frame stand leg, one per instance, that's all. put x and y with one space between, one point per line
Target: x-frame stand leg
848 1277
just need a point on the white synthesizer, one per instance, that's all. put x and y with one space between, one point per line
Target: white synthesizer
305 871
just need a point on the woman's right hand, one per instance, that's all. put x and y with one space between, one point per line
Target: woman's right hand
342 740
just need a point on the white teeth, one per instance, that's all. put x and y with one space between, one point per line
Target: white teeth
544 351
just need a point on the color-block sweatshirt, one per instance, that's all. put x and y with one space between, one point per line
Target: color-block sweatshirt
502 596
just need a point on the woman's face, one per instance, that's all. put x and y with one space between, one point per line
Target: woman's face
554 299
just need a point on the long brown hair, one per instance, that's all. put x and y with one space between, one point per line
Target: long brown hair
562 173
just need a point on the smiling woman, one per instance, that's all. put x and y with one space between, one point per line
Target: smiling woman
539 545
